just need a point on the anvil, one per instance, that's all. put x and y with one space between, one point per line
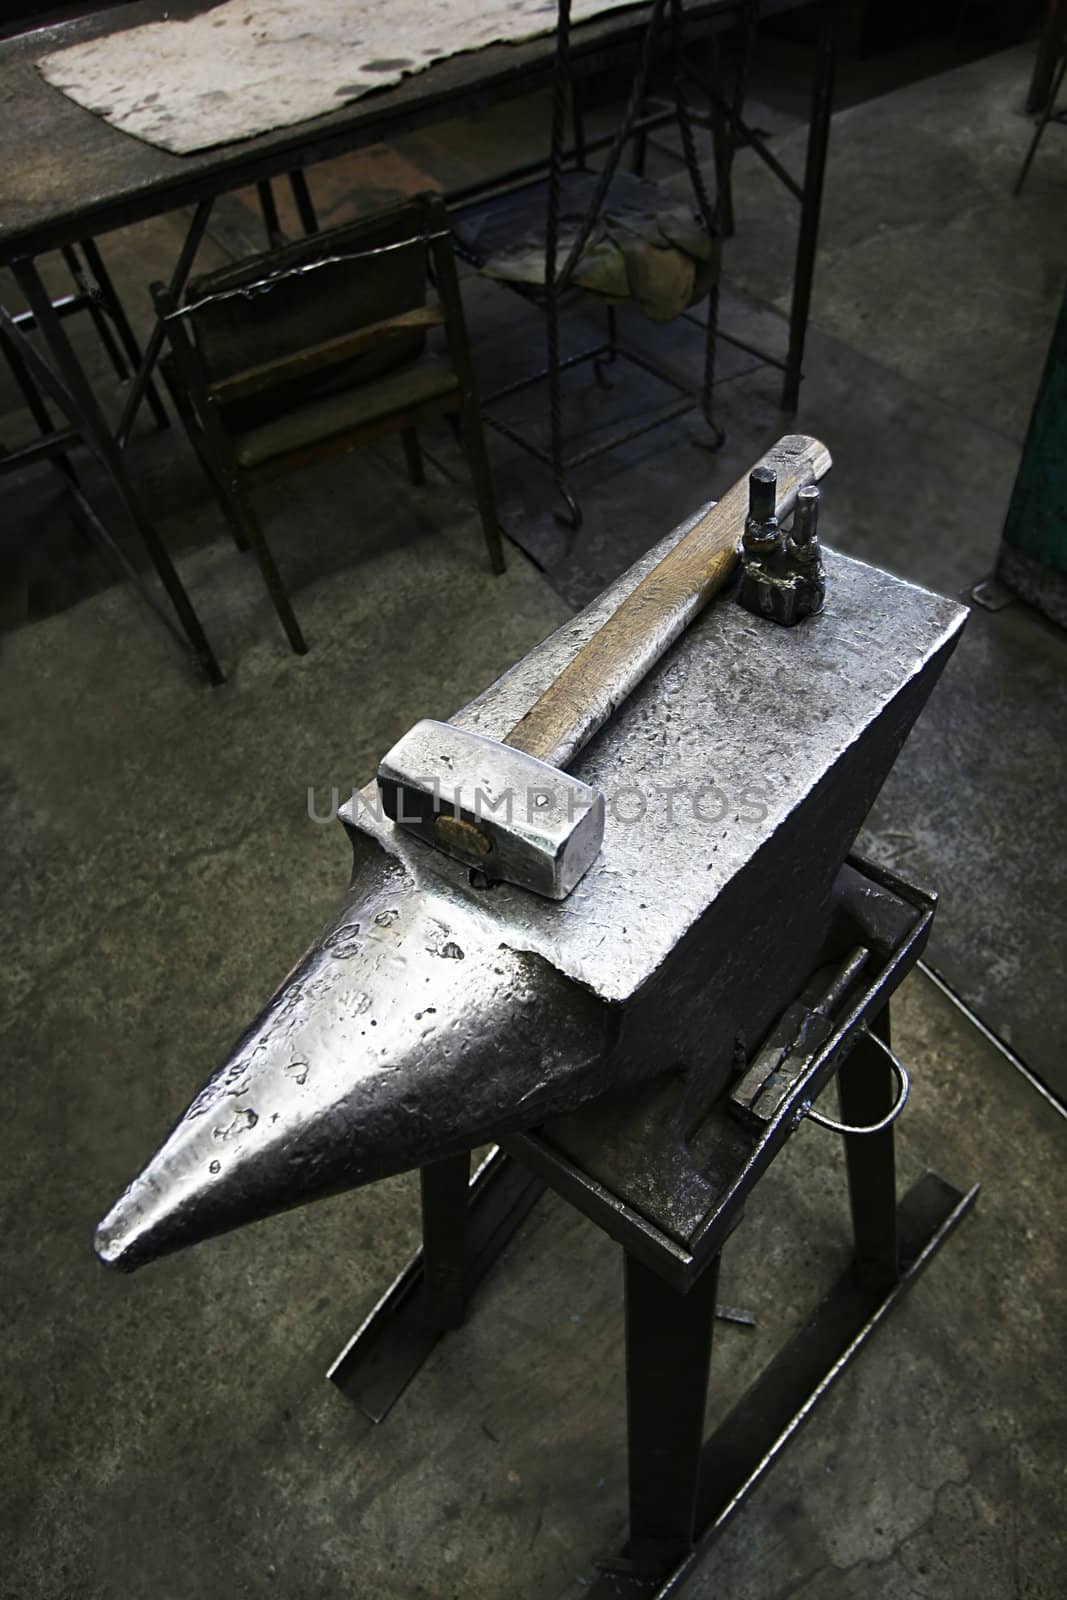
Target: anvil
436 1013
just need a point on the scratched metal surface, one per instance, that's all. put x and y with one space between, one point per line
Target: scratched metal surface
742 716
430 1017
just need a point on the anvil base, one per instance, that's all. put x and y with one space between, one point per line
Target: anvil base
646 1180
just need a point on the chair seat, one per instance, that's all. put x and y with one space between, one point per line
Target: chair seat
309 424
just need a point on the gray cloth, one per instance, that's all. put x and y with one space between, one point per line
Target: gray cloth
249 65
645 247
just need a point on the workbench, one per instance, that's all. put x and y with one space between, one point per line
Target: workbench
69 175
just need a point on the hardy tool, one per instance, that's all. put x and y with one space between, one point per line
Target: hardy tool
461 992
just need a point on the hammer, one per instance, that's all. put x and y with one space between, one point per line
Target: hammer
508 809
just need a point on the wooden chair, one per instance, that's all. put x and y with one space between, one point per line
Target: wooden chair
298 354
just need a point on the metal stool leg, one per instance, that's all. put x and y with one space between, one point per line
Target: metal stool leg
866 1091
668 1352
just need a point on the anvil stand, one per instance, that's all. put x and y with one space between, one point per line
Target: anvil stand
623 1165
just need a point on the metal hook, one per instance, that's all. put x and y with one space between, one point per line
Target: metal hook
894 1111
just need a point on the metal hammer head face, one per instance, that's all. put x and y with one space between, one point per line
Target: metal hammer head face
501 811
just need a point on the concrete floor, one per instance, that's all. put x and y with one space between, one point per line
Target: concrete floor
172 1434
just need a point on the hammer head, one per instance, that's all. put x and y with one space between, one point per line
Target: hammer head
507 815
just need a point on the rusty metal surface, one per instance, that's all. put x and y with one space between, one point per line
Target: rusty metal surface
431 1016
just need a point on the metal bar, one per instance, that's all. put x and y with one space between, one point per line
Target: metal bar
822 106
763 356
747 136
71 390
46 449
388 1349
668 1352
117 312
92 300
866 1092
269 211
444 1186
612 442
30 393
178 279
1036 1083
514 176
121 560
302 197
65 306
1048 115
1049 47
741 1452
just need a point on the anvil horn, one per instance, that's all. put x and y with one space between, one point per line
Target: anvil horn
402 1003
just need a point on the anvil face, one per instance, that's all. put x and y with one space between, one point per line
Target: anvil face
726 742
433 1016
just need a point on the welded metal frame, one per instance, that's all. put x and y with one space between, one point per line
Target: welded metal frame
683 1490
729 132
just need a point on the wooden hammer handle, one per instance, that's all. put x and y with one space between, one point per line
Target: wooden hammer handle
611 664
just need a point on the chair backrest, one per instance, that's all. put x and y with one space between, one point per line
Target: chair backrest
320 288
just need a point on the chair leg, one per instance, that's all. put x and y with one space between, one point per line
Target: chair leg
193 432
248 523
478 461
413 457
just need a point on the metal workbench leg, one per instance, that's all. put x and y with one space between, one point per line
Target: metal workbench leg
91 299
92 425
128 339
822 105
668 1351
866 1090
179 276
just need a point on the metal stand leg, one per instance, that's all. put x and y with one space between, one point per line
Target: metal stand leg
1043 122
445 1208
668 1352
90 420
866 1091
822 105
182 269
430 1295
